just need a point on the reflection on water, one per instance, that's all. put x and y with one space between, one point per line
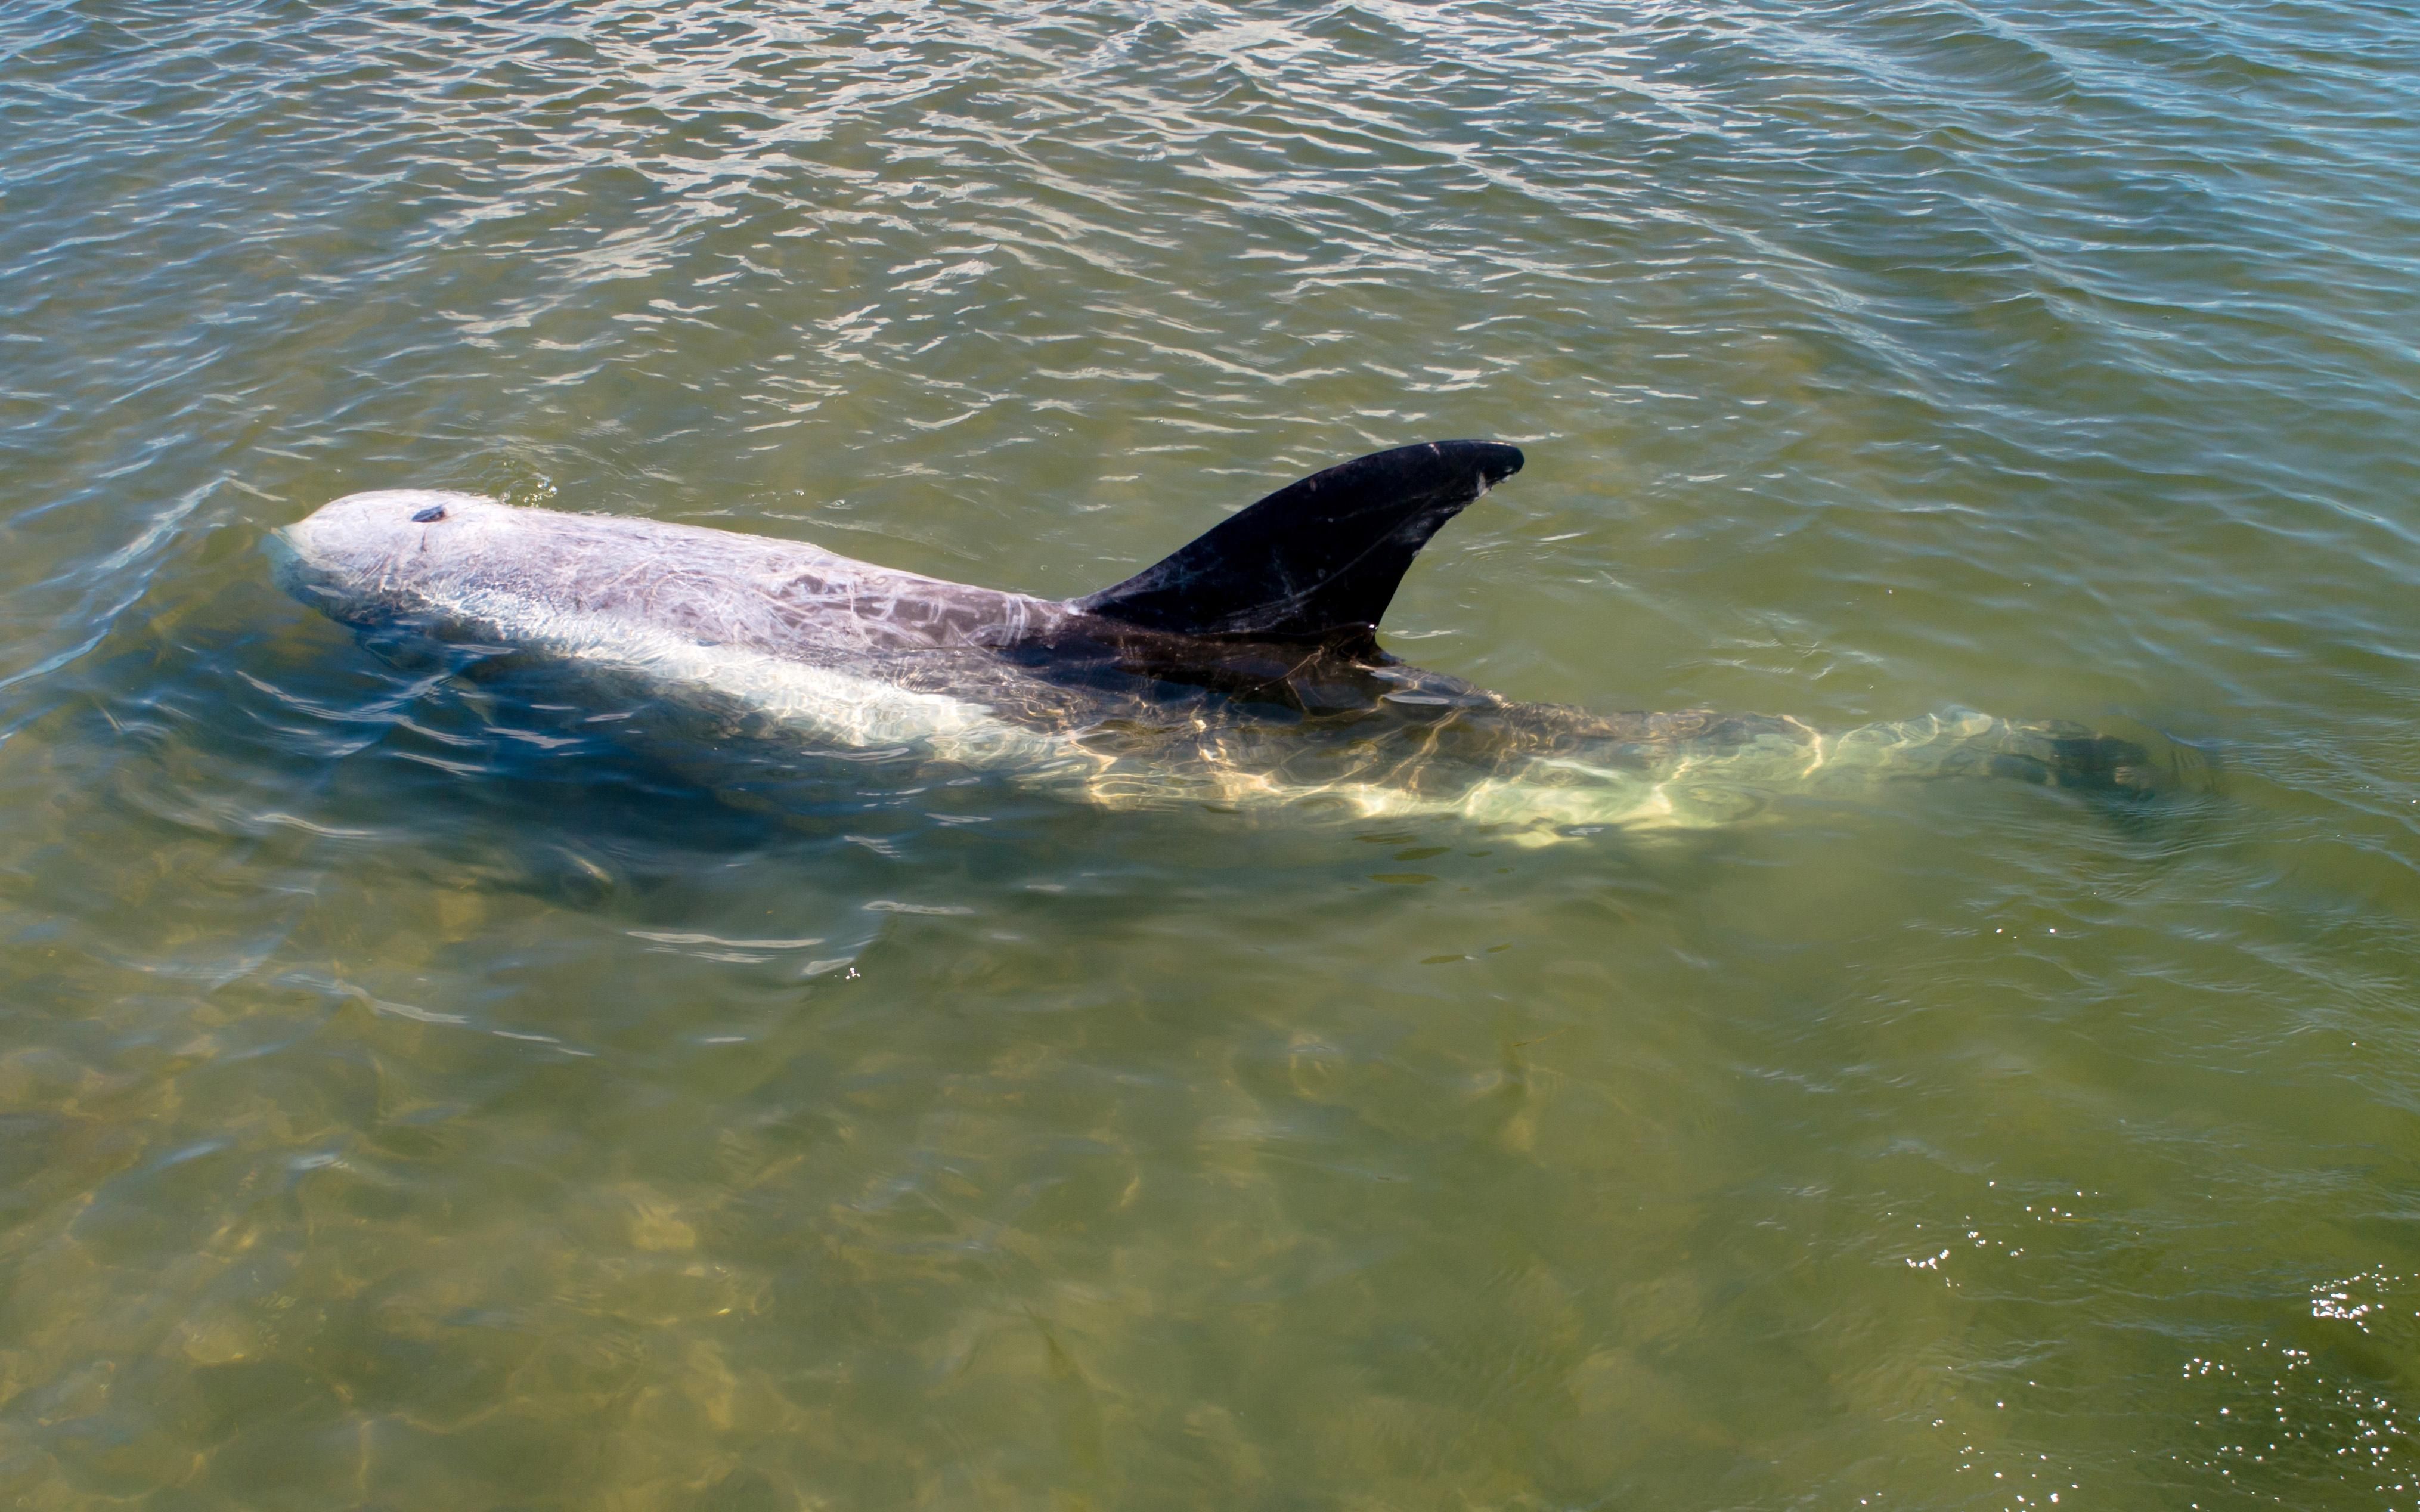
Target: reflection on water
425 1085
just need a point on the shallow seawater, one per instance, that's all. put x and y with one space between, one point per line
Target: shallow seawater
420 1088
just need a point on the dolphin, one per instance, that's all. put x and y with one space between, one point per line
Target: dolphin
1244 671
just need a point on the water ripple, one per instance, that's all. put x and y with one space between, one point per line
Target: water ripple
421 1083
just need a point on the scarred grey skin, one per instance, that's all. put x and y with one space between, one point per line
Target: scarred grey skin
402 547
1243 670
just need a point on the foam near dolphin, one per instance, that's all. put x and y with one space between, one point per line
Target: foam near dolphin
1244 670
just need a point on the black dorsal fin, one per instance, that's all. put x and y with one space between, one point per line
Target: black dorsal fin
1317 560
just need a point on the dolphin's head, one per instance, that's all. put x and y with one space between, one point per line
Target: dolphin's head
369 555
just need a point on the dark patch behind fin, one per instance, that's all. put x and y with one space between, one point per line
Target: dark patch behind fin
1318 559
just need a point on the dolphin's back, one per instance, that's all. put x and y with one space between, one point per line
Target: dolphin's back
775 596
842 651
1312 565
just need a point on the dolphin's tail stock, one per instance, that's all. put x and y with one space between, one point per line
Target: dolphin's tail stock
2126 780
2143 788
2058 755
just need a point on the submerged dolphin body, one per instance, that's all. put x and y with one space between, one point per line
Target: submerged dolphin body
1243 670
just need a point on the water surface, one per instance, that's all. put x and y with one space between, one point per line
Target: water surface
414 1093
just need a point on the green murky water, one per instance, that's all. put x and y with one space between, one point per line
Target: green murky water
410 1097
